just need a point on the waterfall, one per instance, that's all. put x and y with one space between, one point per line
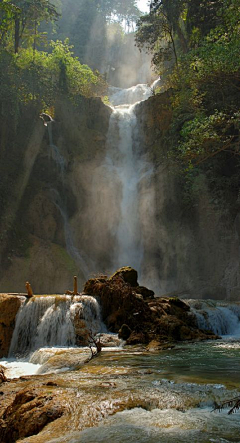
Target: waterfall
218 317
45 321
128 168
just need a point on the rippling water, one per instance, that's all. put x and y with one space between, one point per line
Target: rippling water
171 395
128 395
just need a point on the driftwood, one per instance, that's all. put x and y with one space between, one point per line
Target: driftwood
233 404
95 343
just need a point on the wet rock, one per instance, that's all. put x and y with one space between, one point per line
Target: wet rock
145 292
3 377
110 340
137 337
58 360
27 415
124 332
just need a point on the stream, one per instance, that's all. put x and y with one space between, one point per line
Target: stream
131 395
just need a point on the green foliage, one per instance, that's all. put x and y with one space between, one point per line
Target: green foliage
40 76
204 137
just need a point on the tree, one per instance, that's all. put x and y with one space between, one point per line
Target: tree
161 30
7 13
21 19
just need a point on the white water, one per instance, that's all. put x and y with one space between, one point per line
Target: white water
128 168
49 321
14 369
219 317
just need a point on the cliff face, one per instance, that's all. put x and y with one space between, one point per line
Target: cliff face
42 219
194 247
57 223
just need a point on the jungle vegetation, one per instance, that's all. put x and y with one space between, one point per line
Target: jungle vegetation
195 46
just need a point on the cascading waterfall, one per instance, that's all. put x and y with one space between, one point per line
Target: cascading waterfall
129 169
45 321
219 317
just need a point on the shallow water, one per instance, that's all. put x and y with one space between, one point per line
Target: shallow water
161 397
131 395
205 362
165 426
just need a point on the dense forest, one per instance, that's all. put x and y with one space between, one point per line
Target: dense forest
195 47
60 47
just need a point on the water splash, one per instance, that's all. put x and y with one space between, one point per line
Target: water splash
49 321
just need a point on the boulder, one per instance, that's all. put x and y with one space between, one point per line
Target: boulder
124 332
28 413
138 337
128 274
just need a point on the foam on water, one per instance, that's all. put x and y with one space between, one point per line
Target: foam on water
15 369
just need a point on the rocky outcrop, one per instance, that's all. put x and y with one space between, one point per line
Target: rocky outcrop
49 228
9 306
28 414
140 320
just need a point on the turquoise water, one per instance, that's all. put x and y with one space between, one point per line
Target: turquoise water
205 362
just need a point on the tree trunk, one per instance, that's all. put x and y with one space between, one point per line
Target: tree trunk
182 39
17 35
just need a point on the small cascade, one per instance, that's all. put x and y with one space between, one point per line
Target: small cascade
218 317
46 321
127 168
129 96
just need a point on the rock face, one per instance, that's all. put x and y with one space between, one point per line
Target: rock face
140 320
57 211
192 248
52 226
9 306
27 415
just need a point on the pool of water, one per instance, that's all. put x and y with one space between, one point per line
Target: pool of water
215 361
